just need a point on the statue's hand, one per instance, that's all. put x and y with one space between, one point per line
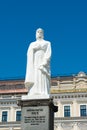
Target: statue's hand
44 63
44 70
41 67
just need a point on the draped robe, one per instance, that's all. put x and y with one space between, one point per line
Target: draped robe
38 67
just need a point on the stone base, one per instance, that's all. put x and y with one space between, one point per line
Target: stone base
37 114
36 96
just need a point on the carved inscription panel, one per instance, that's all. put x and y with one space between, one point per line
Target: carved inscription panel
35 118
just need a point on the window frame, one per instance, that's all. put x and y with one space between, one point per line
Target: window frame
80 110
2 116
16 115
64 110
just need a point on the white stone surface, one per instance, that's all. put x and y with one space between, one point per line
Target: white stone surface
30 97
37 78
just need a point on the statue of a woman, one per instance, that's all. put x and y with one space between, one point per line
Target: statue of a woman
38 66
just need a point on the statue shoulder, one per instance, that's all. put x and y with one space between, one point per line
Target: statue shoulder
48 43
32 44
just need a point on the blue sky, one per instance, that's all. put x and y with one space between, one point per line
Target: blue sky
65 26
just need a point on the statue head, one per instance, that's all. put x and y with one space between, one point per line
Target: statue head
39 34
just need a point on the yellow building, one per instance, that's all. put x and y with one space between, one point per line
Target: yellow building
69 94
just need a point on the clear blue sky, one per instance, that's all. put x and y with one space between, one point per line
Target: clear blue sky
65 26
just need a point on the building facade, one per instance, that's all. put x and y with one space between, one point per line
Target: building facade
68 92
10 113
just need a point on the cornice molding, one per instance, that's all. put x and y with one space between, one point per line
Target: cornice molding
69 96
57 91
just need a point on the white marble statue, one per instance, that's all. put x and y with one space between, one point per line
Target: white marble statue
38 66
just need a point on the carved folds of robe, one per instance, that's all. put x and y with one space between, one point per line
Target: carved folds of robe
38 67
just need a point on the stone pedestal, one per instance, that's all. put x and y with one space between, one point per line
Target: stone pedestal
37 114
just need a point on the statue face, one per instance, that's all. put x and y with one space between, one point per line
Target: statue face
39 34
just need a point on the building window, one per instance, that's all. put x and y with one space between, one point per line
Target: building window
66 111
18 115
4 116
83 110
